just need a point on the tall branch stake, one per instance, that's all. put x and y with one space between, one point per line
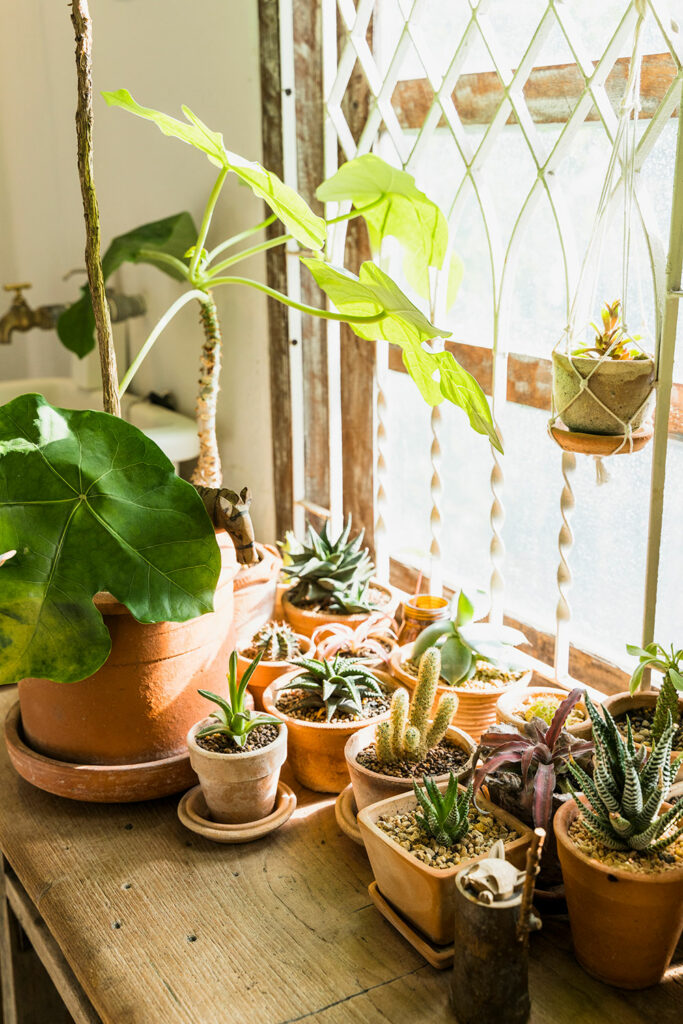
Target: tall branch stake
80 17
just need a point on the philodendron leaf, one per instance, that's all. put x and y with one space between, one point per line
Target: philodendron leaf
170 236
391 204
297 216
90 504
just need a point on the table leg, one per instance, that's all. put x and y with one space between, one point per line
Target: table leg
9 1002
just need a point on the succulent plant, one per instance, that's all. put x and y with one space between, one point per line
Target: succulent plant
368 640
276 641
445 815
670 664
541 753
334 575
628 788
408 736
234 718
337 685
611 339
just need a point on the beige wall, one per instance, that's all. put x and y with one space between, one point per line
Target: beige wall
166 52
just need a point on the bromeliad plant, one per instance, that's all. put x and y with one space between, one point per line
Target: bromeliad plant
628 788
408 735
233 718
333 576
334 686
445 815
611 339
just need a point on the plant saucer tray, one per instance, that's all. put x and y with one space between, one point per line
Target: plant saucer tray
601 444
440 957
194 815
345 812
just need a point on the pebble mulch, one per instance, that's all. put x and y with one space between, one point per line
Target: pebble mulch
483 832
641 727
486 677
440 760
219 743
373 705
639 861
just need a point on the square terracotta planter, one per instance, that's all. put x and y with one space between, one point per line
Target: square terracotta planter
425 896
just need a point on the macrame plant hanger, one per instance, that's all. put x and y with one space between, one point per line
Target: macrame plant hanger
621 166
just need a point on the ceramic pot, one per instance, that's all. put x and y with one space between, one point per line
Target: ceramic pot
425 896
625 925
619 703
508 704
139 705
267 671
369 787
316 749
476 711
255 593
623 385
238 788
302 620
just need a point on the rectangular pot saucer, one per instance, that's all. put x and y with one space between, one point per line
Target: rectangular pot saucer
440 957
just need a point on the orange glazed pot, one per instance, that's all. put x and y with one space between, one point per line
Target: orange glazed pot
267 672
625 925
302 620
141 703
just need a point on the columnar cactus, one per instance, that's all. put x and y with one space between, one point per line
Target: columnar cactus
408 735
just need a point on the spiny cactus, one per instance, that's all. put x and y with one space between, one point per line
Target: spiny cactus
337 685
277 641
446 815
628 788
334 575
408 736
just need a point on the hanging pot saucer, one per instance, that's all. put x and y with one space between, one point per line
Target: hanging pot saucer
601 444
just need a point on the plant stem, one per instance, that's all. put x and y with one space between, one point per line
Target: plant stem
206 222
151 255
261 247
207 472
80 17
240 237
302 307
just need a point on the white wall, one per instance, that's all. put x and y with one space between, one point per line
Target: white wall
166 52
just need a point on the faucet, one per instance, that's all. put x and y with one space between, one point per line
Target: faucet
20 316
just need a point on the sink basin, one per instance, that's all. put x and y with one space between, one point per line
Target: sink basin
175 434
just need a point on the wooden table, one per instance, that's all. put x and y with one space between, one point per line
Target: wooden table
160 926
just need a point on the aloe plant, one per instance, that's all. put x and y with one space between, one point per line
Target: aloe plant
336 685
233 718
445 816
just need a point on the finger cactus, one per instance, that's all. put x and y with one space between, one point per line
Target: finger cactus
277 641
409 735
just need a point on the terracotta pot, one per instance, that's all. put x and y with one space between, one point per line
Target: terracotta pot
281 589
238 788
425 896
369 787
625 926
623 385
140 704
267 671
508 704
476 711
619 703
304 621
255 592
316 749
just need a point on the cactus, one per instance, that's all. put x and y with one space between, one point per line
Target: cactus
408 735
446 815
334 575
277 641
628 788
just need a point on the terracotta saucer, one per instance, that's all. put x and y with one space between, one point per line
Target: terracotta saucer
194 814
96 783
345 812
601 444
440 957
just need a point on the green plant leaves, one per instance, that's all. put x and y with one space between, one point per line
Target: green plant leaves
146 244
297 216
391 204
90 504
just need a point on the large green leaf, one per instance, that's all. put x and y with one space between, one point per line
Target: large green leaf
90 504
172 236
292 210
396 207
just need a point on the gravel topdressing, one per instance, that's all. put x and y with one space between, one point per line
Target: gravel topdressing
219 743
373 705
444 758
486 677
638 861
483 833
641 726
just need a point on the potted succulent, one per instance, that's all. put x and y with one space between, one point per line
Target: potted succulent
323 703
621 851
372 642
478 659
277 646
237 753
419 841
332 582
517 707
384 760
527 773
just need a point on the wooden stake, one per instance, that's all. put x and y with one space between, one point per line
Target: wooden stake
533 860
80 17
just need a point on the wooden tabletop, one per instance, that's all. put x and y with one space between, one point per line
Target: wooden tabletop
163 927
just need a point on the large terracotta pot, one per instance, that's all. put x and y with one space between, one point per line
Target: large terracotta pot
425 896
623 385
238 788
625 925
508 704
619 703
369 787
267 672
476 711
139 706
302 620
255 592
316 749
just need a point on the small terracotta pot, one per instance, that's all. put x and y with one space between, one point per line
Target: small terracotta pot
425 896
267 671
623 385
255 593
369 787
238 788
625 925
476 710
302 620
509 703
619 703
316 749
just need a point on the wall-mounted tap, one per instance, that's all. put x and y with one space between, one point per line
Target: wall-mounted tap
20 316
